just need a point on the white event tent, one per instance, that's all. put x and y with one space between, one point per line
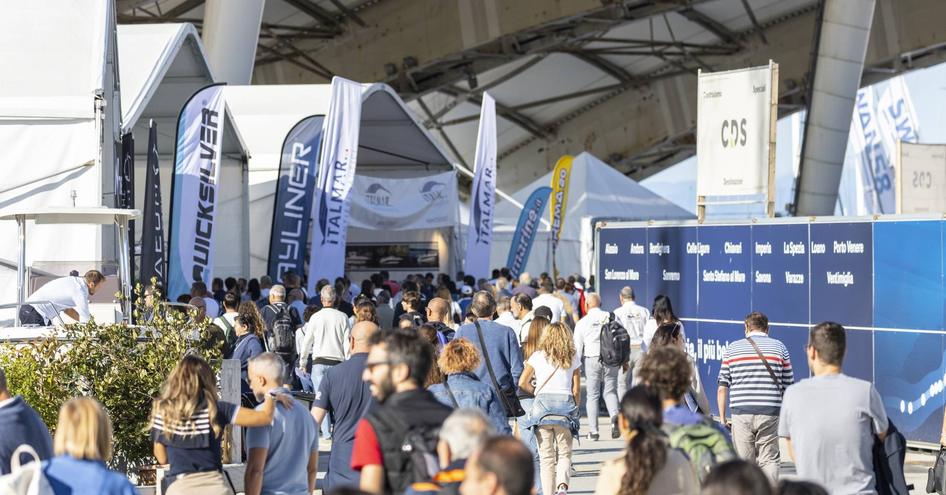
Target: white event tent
596 192
59 118
161 66
392 144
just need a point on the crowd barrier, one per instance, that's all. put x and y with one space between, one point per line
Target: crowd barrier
882 278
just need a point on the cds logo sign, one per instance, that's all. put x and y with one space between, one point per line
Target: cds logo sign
433 192
733 133
378 195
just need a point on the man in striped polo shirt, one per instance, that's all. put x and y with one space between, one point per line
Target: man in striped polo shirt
756 387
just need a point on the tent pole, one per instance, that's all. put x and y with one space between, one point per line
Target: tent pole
20 267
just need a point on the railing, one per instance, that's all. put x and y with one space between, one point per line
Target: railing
16 306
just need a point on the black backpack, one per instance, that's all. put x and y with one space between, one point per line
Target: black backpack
412 460
282 336
615 343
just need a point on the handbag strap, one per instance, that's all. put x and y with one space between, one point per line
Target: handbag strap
768 368
546 380
489 365
453 399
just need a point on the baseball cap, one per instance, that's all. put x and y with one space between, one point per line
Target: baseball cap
466 290
543 311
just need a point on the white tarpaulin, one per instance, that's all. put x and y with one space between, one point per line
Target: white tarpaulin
732 132
380 203
922 178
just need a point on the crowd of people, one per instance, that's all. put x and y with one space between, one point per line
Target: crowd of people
429 385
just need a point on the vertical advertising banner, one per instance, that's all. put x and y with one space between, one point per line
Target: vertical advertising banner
732 131
526 228
876 188
194 190
560 177
295 189
152 230
336 176
125 190
480 233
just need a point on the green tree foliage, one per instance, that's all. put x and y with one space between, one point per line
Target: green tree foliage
120 365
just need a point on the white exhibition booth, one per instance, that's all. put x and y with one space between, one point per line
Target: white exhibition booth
392 144
596 192
59 120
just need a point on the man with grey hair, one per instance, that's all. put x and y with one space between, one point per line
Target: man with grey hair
326 339
588 350
632 317
498 345
20 424
281 321
462 433
282 457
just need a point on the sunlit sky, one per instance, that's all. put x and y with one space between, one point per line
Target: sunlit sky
927 89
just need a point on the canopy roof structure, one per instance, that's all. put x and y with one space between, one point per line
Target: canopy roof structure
66 215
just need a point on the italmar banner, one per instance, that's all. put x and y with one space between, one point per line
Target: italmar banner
194 187
560 178
480 233
380 203
330 209
526 228
295 189
153 257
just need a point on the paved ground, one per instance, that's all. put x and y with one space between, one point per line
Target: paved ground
589 455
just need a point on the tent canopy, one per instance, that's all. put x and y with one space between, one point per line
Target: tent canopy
161 66
596 192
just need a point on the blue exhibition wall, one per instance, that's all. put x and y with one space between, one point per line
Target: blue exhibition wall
883 280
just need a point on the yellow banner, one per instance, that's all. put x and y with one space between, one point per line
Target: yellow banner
559 201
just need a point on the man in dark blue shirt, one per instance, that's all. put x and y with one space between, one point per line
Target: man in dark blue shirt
343 398
502 345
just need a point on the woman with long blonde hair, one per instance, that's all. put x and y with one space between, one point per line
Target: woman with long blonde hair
83 445
526 434
187 423
554 416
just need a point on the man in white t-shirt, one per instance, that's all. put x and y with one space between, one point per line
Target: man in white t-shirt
632 317
588 347
548 299
69 295
199 289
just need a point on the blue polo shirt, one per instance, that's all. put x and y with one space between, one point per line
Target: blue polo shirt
290 441
346 398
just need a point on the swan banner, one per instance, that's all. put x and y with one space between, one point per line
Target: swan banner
380 203
330 209
483 196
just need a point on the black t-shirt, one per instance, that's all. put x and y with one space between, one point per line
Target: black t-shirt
192 447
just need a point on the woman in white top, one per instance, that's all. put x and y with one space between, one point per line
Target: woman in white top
649 466
554 416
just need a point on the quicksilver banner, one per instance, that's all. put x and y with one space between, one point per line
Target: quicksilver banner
298 168
194 189
482 200
526 228
336 175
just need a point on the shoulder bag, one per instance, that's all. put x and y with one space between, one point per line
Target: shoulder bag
507 395
778 384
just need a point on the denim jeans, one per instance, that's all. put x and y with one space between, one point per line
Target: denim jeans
597 374
528 437
318 372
